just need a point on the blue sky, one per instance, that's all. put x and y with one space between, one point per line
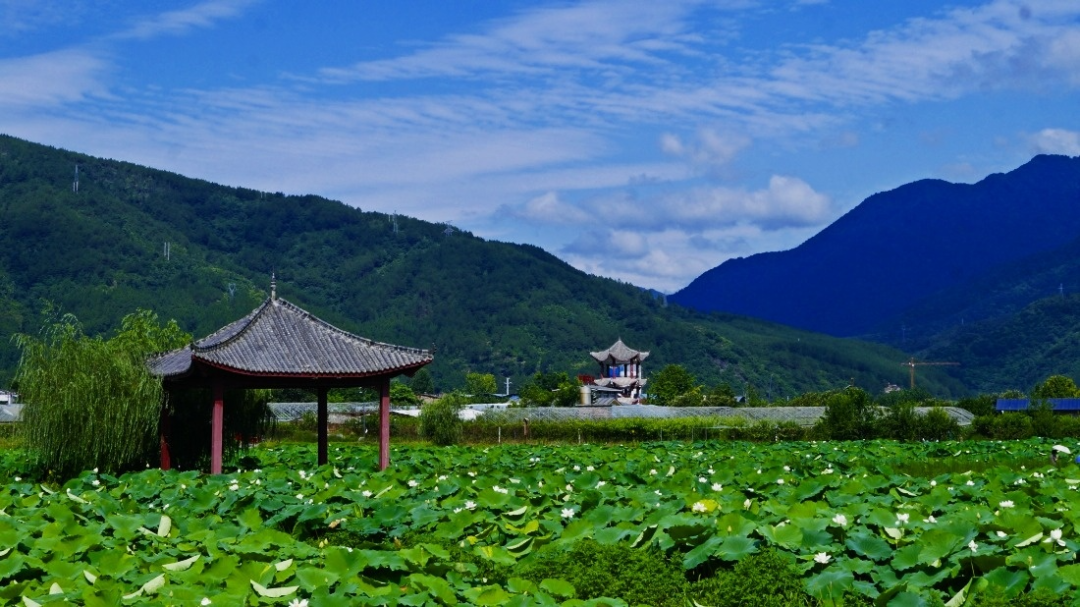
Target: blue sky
646 141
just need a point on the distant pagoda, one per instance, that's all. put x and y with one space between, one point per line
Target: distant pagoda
620 369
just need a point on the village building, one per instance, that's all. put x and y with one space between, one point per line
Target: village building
1060 406
621 373
280 345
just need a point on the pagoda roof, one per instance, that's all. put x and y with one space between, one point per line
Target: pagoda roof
280 339
619 353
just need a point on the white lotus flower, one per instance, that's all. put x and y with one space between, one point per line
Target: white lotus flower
779 481
717 486
1055 536
840 519
470 505
699 507
702 479
568 513
1006 504
205 601
413 483
973 546
903 517
1001 534
822 557
366 493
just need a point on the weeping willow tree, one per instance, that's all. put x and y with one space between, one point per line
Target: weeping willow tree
89 401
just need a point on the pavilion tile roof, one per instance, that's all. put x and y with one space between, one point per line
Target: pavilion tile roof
619 353
281 339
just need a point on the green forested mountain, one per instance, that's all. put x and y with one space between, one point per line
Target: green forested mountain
510 310
1015 351
995 295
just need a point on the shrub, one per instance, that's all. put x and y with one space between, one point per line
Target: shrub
1012 426
1043 421
635 575
936 424
764 579
900 422
1066 426
985 404
440 422
850 414
308 422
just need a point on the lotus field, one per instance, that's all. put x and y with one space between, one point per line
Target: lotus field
902 523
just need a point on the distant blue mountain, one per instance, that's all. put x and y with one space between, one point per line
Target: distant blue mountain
900 247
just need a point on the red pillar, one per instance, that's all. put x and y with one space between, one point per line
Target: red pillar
384 424
216 428
323 420
163 431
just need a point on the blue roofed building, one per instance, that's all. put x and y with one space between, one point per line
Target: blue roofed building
1066 406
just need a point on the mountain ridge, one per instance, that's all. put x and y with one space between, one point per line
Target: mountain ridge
898 247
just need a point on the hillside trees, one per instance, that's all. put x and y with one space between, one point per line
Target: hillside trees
480 386
549 390
1056 386
668 384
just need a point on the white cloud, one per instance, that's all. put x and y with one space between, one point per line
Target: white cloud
51 79
1056 141
548 209
786 202
711 150
604 243
202 15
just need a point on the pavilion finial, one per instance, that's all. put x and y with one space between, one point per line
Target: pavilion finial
273 286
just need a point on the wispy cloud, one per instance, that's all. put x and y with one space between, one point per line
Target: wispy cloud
49 80
175 23
594 36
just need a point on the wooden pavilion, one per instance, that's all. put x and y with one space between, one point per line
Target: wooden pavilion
279 345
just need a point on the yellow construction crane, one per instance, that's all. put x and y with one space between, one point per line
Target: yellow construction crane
911 364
